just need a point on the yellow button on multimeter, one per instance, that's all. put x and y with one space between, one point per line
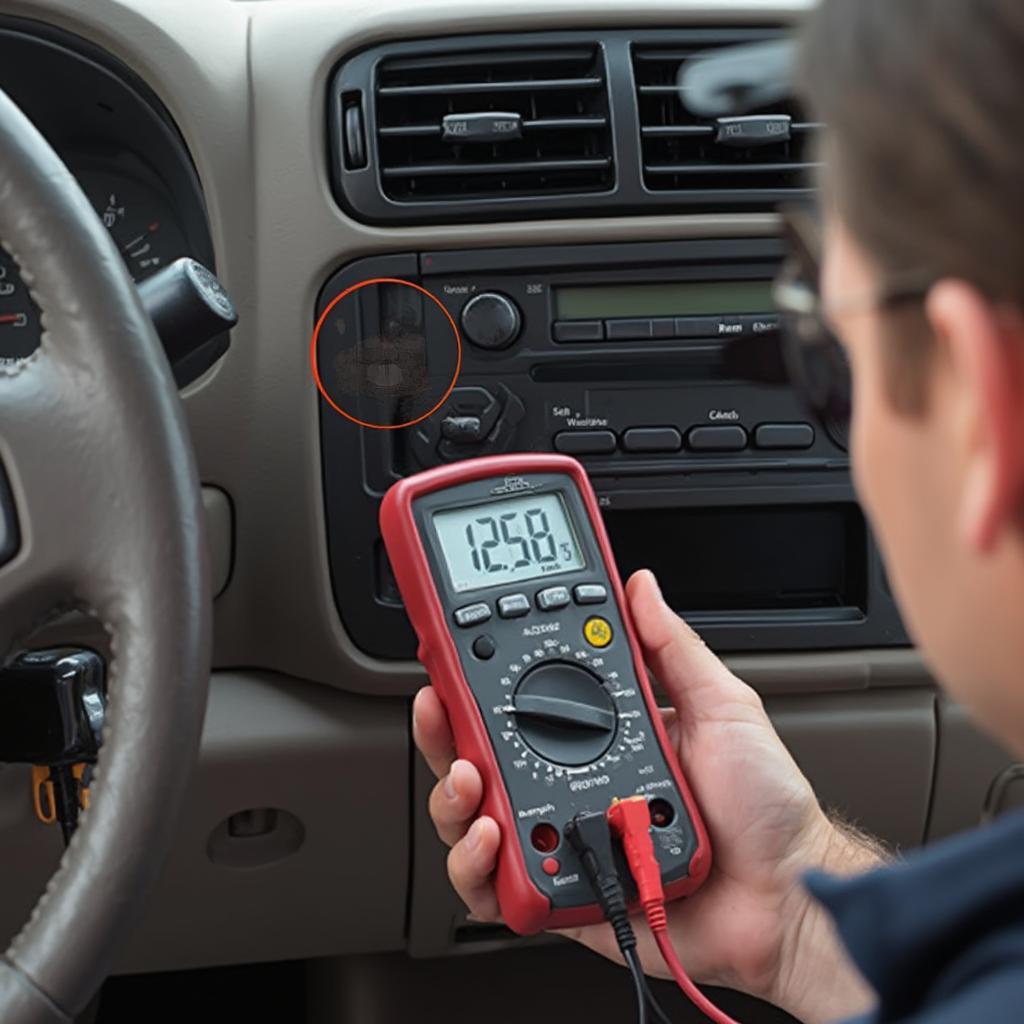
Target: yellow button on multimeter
597 631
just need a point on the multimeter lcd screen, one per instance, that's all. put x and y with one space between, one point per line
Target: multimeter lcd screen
507 541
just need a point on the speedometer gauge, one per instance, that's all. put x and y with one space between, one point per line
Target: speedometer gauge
139 219
19 315
142 224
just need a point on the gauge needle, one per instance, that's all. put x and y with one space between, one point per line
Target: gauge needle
10 318
135 241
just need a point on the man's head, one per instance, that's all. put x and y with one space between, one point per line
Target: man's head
924 188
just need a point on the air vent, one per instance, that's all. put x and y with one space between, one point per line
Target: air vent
744 163
494 124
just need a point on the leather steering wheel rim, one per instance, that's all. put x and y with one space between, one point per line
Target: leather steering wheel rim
96 450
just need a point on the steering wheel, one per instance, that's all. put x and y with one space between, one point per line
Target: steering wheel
95 447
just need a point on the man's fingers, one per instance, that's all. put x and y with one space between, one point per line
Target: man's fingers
694 679
455 800
431 731
471 864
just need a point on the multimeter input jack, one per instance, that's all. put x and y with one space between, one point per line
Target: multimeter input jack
544 837
662 813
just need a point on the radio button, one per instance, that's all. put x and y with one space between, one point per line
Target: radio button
513 606
553 598
578 330
585 442
652 439
663 327
590 593
717 439
733 326
784 435
696 327
472 614
462 429
766 324
629 330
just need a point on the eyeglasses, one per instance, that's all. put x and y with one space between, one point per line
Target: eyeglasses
813 356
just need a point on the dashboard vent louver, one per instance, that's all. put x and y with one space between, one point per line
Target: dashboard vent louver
491 124
749 163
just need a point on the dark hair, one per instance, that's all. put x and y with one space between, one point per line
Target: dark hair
923 150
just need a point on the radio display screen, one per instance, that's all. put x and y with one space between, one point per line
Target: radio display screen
507 541
681 298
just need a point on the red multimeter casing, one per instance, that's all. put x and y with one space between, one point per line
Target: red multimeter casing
557 717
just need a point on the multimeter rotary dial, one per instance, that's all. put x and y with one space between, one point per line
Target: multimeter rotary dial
564 713
566 717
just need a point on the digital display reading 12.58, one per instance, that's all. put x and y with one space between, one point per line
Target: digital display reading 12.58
507 541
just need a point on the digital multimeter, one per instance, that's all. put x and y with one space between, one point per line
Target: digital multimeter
508 578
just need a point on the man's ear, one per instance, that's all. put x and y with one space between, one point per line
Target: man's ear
984 345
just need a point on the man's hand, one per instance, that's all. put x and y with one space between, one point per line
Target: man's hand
751 926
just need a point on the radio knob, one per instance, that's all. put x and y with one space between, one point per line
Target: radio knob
491 320
564 714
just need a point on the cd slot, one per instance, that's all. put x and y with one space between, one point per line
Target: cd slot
694 364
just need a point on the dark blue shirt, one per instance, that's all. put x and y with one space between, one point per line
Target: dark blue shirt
939 935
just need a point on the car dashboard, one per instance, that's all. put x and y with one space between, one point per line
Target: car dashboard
530 166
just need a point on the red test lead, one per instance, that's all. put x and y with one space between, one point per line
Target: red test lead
630 822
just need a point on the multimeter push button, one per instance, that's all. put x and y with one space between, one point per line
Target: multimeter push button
597 631
590 593
552 598
512 606
472 614
484 647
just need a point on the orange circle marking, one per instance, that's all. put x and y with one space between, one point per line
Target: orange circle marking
316 340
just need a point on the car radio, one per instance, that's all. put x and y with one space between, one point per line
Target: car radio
656 365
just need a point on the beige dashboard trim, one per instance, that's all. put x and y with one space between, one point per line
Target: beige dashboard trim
246 82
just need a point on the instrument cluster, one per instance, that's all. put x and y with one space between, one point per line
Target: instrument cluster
120 143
